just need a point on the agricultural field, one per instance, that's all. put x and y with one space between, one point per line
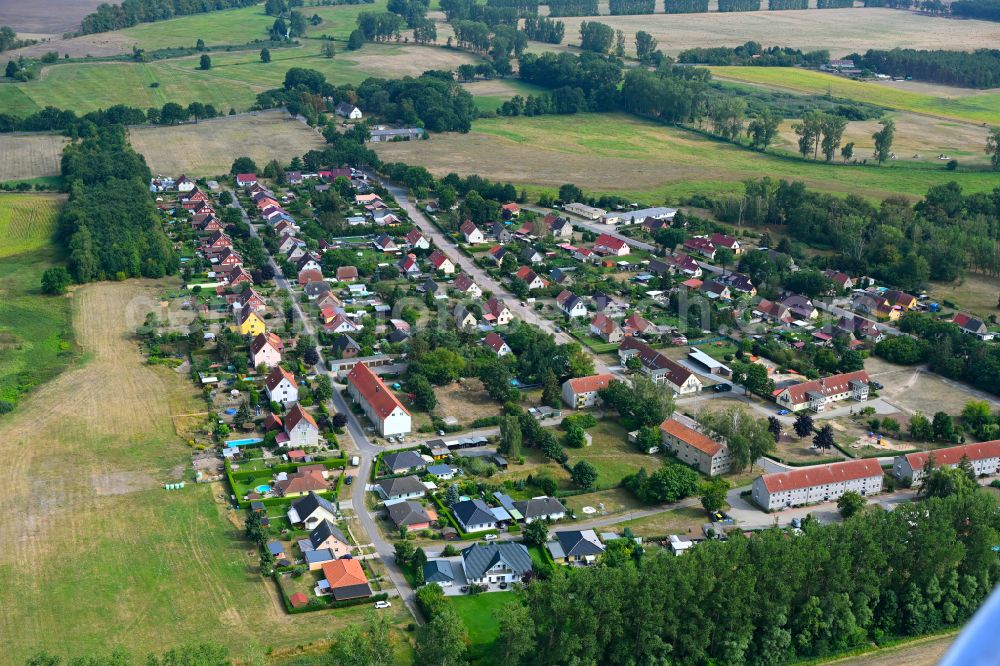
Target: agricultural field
38 19
36 341
85 488
919 138
491 94
841 31
962 104
642 159
30 156
919 652
233 82
974 293
209 147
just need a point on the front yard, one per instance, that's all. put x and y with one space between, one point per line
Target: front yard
477 613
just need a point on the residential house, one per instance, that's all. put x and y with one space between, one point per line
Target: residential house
530 278
346 579
442 472
818 394
586 256
308 275
266 349
338 323
344 346
301 482
540 508
873 303
530 255
658 367
440 261
611 245
715 290
400 488
580 547
347 273
817 483
571 304
464 317
510 210
402 134
301 428
842 281
972 326
326 535
402 462
500 232
248 322
410 515
408 265
900 299
983 456
348 110
695 448
700 245
771 311
238 276
561 275
861 328
281 387
217 242
504 562
560 227
471 232
800 307
496 312
683 264
416 240
385 243
606 329
497 344
466 286
739 284
432 287
439 572
497 253
310 511
473 515
309 262
246 179
726 241
635 324
320 292
381 406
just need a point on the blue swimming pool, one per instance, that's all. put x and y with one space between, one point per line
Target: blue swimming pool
264 488
244 442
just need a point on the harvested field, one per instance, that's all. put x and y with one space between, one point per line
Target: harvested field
841 31
45 18
919 139
209 147
87 455
624 154
915 389
921 652
30 155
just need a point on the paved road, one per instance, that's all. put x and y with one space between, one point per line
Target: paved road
595 227
362 447
482 278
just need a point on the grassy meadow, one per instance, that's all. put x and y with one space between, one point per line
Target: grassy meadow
36 340
646 160
477 613
957 103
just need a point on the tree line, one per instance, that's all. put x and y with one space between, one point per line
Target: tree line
132 12
686 6
66 121
573 8
624 7
986 10
543 29
9 39
110 226
768 599
946 350
753 54
781 5
975 69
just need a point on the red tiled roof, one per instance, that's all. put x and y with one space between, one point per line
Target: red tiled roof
723 240
819 475
298 600
526 274
610 242
262 339
677 374
953 455
297 414
690 436
347 272
591 383
603 323
277 374
637 321
831 385
494 342
342 573
438 258
373 390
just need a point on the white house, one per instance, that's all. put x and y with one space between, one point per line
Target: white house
984 457
281 387
349 111
467 286
184 184
301 429
541 508
440 261
658 367
493 563
571 304
381 406
611 245
472 233
497 344
581 392
818 394
311 510
473 515
818 483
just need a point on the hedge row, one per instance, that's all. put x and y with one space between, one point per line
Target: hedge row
446 512
328 605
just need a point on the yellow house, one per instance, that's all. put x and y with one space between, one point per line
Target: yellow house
249 322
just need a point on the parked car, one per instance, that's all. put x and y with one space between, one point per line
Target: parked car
877 386
490 537
722 388
783 412
383 604
349 480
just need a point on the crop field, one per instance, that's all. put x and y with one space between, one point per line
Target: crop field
646 160
29 156
233 82
975 106
45 18
86 516
36 341
919 139
209 147
841 31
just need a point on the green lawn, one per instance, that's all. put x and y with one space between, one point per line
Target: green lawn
476 612
612 455
971 105
36 340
